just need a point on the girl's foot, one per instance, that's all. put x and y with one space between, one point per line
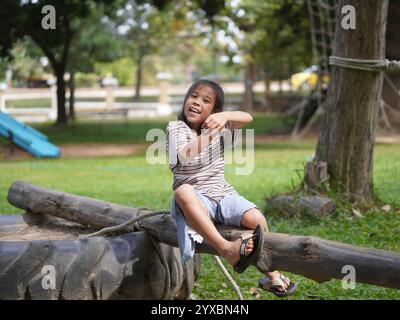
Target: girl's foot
278 284
276 275
244 251
232 251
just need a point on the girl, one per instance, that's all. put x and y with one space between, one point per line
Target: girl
202 197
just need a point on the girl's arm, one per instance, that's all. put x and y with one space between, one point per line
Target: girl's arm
215 123
196 145
219 120
239 118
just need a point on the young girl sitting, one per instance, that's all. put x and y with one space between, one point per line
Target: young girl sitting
202 197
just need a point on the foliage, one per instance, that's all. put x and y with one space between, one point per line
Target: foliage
276 35
97 42
122 69
19 19
25 61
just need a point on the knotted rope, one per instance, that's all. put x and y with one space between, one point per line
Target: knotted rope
366 65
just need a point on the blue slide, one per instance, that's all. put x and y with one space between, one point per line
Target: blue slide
27 137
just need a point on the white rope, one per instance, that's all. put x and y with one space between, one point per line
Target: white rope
365 64
229 277
392 85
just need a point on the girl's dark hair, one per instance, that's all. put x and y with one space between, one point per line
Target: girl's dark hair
219 97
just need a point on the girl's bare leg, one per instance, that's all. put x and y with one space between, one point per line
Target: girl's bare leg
197 217
250 220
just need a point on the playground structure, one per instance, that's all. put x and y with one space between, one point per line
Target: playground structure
130 267
27 137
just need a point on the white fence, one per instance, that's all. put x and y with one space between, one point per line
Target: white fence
170 100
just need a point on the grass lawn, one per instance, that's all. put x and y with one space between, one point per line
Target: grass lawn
132 181
133 131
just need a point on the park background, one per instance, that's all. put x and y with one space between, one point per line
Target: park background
113 70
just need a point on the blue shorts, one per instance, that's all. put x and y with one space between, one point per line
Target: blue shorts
228 211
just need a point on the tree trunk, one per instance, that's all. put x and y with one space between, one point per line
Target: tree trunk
391 92
267 85
71 85
214 50
348 127
314 258
248 86
138 76
61 111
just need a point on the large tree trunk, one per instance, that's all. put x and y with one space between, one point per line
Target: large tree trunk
391 93
61 111
315 258
348 127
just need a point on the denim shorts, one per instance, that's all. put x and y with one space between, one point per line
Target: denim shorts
228 211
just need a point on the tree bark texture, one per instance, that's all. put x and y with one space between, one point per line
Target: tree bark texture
348 127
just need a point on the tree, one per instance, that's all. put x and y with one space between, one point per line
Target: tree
348 127
97 42
389 95
146 29
24 18
25 61
274 42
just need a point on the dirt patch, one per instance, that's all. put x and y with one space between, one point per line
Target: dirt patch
43 227
86 150
389 139
384 138
100 150
38 233
93 150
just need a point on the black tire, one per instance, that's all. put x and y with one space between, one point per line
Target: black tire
122 267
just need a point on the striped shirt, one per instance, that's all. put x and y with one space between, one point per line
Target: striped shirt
206 170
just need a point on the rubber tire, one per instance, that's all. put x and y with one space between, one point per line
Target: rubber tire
122 267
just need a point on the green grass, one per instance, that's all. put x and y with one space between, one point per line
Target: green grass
131 131
132 181
29 103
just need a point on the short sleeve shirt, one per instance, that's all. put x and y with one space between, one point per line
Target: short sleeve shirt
206 170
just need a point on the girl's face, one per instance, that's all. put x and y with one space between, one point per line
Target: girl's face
199 105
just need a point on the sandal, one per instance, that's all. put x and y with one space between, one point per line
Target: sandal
245 261
272 286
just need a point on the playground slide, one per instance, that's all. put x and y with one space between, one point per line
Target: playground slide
27 137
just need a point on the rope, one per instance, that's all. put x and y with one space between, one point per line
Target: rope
229 277
392 85
366 65
123 226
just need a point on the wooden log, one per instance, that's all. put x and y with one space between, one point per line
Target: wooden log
312 257
86 211
289 205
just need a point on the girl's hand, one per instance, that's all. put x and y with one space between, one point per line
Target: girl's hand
216 121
